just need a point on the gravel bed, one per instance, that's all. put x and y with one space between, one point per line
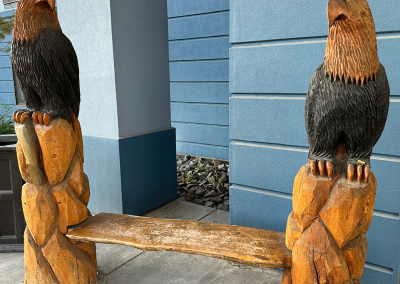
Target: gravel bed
203 181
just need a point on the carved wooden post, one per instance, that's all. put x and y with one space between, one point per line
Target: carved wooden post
334 195
55 196
50 148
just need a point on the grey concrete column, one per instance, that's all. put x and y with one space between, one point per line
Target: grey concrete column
122 48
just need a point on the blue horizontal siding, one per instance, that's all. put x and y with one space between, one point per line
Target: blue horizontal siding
203 150
207 25
194 49
280 120
258 21
200 92
280 165
202 133
276 208
287 68
6 86
7 98
178 8
5 74
5 61
200 113
200 71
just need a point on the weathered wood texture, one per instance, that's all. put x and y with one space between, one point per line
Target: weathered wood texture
55 196
237 244
327 227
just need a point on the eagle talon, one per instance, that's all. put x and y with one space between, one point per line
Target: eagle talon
322 166
362 171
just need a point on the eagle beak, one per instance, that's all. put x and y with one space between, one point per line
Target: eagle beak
52 3
337 9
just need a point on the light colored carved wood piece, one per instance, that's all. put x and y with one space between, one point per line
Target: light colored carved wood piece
37 269
74 174
21 160
69 263
86 192
238 244
58 144
349 210
71 210
287 276
318 259
90 250
28 154
40 211
309 196
355 253
293 233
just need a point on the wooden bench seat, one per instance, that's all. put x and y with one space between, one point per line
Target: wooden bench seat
233 243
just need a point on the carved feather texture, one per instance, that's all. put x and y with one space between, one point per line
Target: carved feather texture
351 51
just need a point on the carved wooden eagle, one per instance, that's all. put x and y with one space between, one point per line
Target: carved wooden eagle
45 63
348 97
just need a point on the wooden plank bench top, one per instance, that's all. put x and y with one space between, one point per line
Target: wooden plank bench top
233 243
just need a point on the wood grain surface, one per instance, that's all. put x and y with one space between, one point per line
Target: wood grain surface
237 244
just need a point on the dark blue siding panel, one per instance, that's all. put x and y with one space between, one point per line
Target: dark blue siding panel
194 49
140 191
200 71
259 20
6 86
293 64
260 119
5 61
215 24
275 158
247 203
202 133
200 113
178 8
200 92
203 150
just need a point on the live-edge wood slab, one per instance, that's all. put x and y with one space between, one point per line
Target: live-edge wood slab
233 243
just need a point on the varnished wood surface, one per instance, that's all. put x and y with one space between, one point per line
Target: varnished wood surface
233 243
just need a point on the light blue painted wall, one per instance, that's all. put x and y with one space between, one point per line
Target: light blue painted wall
277 45
199 74
6 82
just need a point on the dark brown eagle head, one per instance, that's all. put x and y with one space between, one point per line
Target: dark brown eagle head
33 16
351 51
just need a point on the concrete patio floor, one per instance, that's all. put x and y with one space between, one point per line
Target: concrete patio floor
125 265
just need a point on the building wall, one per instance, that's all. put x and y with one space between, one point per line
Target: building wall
277 45
6 81
199 74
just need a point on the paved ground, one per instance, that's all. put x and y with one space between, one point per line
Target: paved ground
125 265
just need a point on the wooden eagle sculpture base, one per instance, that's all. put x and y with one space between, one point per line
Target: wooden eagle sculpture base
55 196
326 229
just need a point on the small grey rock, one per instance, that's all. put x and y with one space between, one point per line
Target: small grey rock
190 196
216 162
226 198
221 167
223 179
179 163
209 175
184 195
223 207
199 192
212 193
226 203
211 179
209 204
216 200
198 201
